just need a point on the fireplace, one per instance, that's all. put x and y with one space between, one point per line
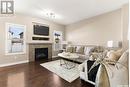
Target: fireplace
41 53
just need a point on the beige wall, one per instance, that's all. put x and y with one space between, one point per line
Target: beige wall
97 30
24 20
125 23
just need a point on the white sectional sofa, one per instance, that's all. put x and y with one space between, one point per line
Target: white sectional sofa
84 51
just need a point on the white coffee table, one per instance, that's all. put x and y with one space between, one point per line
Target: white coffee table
68 56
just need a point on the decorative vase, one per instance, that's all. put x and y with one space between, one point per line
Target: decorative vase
57 40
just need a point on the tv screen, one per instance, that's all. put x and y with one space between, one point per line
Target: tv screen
41 30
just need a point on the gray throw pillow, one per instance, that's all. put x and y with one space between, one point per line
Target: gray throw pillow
80 49
69 49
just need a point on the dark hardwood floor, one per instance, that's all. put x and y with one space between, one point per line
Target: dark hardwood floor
34 75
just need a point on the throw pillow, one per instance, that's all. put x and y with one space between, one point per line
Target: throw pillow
88 50
74 49
93 56
105 53
115 55
69 49
99 49
119 53
123 61
80 49
109 52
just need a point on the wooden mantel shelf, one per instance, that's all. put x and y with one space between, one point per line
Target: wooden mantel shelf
40 42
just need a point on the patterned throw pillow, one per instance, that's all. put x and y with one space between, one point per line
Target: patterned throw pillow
115 55
109 52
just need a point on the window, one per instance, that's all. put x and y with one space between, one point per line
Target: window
15 38
57 40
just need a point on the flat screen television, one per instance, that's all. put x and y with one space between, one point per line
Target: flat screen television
41 30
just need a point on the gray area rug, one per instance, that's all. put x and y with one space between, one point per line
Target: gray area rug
67 74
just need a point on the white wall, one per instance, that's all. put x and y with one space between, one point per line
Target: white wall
23 20
125 24
96 30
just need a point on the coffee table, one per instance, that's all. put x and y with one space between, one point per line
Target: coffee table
65 57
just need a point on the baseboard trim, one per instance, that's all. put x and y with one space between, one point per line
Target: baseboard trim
10 64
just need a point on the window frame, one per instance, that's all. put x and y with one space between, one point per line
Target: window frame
7 25
61 39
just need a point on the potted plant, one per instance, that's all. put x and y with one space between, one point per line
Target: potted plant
57 38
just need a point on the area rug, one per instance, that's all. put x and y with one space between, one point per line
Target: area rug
67 74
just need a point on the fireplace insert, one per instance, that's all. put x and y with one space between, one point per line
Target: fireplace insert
41 53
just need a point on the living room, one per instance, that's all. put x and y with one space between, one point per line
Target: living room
51 42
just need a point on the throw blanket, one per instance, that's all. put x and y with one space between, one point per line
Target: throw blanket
102 79
98 74
93 73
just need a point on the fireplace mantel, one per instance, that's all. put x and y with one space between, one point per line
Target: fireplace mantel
34 45
40 42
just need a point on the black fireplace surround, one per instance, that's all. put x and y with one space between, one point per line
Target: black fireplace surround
41 53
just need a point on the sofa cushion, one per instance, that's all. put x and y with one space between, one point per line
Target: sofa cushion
80 60
80 49
82 56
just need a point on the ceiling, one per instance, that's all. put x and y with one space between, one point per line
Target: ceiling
67 11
